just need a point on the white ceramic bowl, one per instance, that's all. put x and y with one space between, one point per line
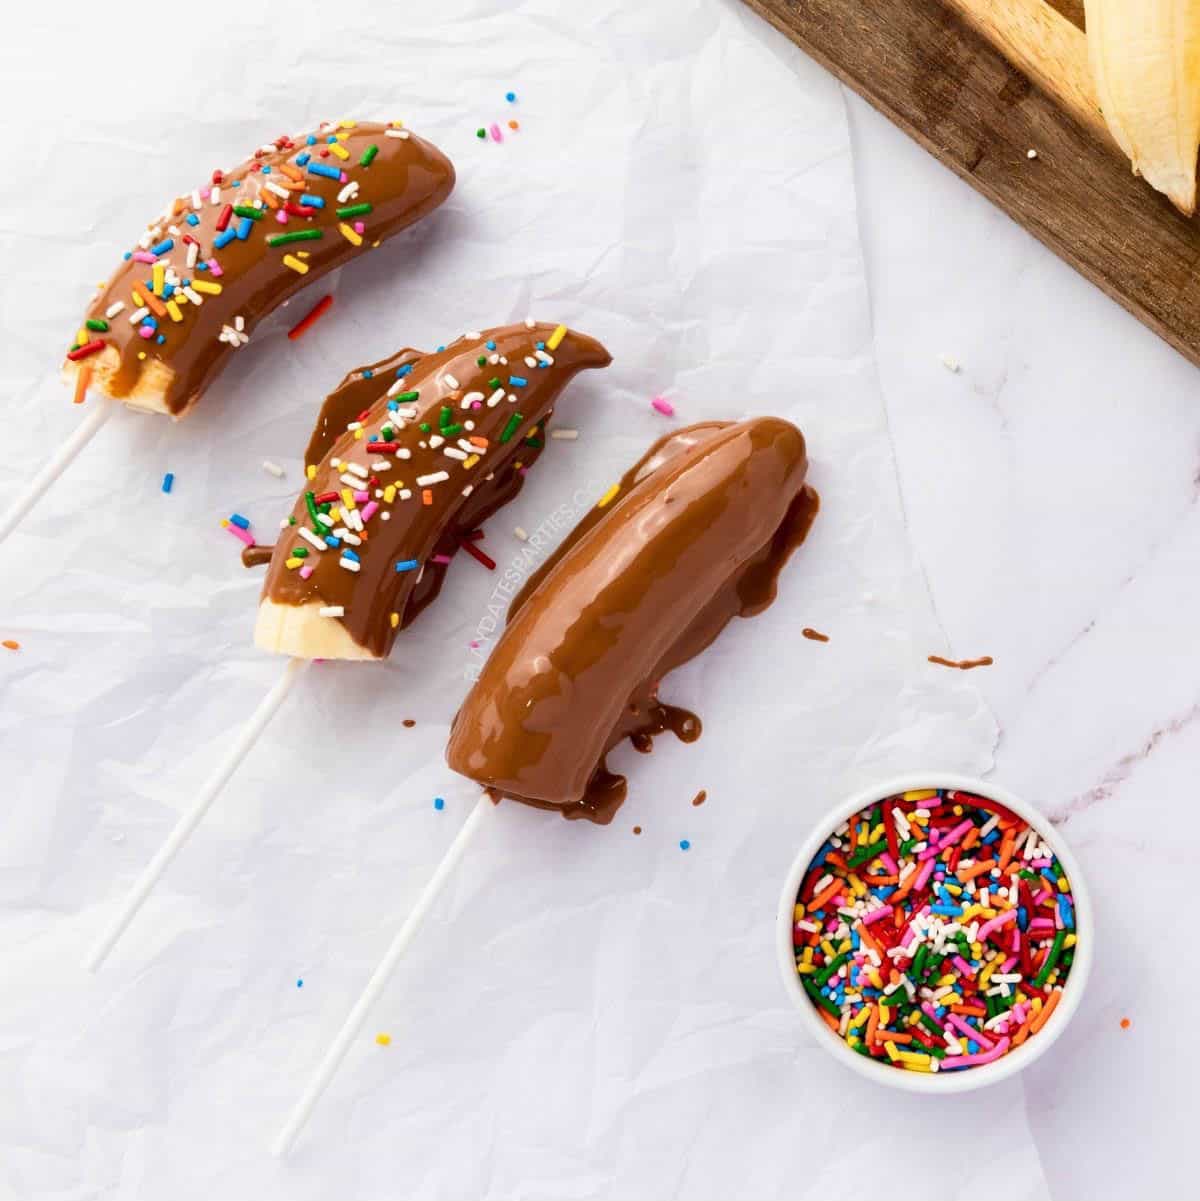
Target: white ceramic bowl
970 1078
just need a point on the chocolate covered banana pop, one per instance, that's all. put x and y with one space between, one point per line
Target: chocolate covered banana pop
695 534
407 454
219 259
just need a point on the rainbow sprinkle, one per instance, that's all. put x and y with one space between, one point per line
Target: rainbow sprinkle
934 931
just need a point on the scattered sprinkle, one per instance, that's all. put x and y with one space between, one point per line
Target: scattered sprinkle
663 405
168 481
273 469
1125 1023
564 435
439 803
11 644
950 363
684 845
521 534
637 829
511 97
814 635
383 1039
408 723
310 318
962 664
607 497
700 797
299 983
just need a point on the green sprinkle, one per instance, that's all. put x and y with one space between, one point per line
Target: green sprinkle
424 427
862 855
493 382
310 503
511 428
481 133
245 210
354 210
404 396
445 416
291 520
1055 951
368 157
819 998
96 324
387 433
300 235
823 977
451 431
300 552
479 362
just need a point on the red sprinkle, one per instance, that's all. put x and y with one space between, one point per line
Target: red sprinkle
89 348
314 315
476 553
217 176
382 447
326 498
224 218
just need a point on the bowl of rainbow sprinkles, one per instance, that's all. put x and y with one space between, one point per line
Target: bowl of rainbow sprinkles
935 933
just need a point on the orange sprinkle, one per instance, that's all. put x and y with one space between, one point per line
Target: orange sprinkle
830 1020
976 1011
83 380
1006 850
1047 1009
827 895
865 935
893 1036
478 440
873 1024
1125 1022
290 171
13 645
514 125
969 873
426 496
271 199
1021 1035
153 303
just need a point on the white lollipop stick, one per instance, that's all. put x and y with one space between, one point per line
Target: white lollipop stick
350 1028
102 410
191 819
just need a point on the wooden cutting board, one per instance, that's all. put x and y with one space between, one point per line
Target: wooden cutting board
925 65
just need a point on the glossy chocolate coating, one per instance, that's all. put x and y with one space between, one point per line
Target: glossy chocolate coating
699 531
406 178
415 529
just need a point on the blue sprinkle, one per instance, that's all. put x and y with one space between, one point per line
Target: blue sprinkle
490 344
299 983
302 159
312 202
266 170
368 373
541 346
440 349
127 255
327 172
168 480
202 266
241 522
393 406
438 803
684 844
152 322
160 340
373 438
192 219
347 553
407 565
162 247
237 183
973 1047
510 97
517 381
224 238
167 290
244 226
311 140
330 540
331 139
403 371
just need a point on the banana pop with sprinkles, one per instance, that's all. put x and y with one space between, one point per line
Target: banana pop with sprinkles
934 931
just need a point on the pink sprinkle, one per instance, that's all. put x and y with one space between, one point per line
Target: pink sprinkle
477 404
878 914
205 193
343 177
306 571
369 510
497 136
361 496
215 268
281 216
663 405
963 966
359 227
143 256
473 644
441 558
240 534
147 331
1009 915
970 1061
964 1028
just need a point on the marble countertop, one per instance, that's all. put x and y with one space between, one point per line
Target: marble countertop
1051 488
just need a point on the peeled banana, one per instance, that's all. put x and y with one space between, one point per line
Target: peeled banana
1145 60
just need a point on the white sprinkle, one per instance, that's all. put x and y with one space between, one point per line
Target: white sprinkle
193 295
332 610
114 308
530 361
471 448
493 359
396 387
949 362
353 518
511 398
272 186
348 192
435 441
495 398
396 133
193 253
434 477
470 399
530 323
136 316
214 196
407 412
452 452
468 490
543 357
347 536
325 520
239 323
350 564
351 481
565 435
520 533
147 239
311 538
273 469
403 494
468 426
358 469
196 199
402 452
450 381
285 524
382 465
1031 153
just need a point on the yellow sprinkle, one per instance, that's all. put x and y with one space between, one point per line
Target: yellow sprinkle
860 1017
892 1053
290 260
383 1039
141 354
338 149
349 234
83 336
345 123
348 498
986 974
827 947
1068 942
875 978
311 471
292 564
920 794
1064 885
913 1058
808 955
552 342
885 1013
471 461
209 289
159 275
173 309
806 969
389 493
395 619
138 299
798 911
613 490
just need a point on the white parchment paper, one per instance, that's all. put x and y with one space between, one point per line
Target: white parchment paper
587 1013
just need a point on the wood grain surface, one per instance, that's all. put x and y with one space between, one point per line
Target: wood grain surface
926 69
